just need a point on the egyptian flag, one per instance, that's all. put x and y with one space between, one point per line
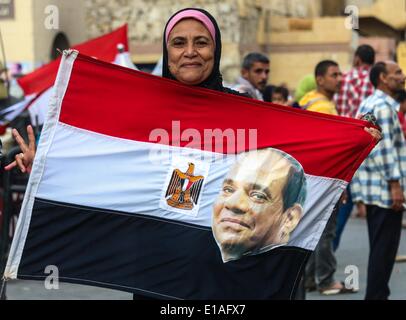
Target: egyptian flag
103 48
145 185
37 85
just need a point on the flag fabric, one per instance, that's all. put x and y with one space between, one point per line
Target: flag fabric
103 48
10 113
38 108
128 169
123 58
37 85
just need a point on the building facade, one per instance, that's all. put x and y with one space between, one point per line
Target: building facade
38 27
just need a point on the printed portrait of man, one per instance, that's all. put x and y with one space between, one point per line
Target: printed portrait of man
260 203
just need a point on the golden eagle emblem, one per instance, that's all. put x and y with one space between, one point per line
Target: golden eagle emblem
184 189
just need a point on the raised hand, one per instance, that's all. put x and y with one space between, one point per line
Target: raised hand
25 159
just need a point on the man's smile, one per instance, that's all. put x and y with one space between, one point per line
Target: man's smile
236 221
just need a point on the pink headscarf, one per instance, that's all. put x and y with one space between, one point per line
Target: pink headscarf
194 14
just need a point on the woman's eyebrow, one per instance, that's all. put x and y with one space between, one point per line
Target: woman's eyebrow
182 38
202 37
178 38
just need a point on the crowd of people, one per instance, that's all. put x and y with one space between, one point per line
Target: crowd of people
191 55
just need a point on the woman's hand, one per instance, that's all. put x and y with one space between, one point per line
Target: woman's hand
374 133
25 159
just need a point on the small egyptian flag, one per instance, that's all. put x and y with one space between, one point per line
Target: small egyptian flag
37 85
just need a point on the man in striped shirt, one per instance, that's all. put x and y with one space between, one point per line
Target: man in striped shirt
355 85
355 88
380 181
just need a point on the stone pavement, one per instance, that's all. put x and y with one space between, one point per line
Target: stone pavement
353 251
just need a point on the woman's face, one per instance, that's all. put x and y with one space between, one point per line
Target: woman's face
190 52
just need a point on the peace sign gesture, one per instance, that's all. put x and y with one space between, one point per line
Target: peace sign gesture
25 159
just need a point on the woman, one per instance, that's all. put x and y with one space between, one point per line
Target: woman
191 55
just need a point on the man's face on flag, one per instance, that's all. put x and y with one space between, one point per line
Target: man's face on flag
249 212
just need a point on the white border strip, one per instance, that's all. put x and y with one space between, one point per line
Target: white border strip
47 135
